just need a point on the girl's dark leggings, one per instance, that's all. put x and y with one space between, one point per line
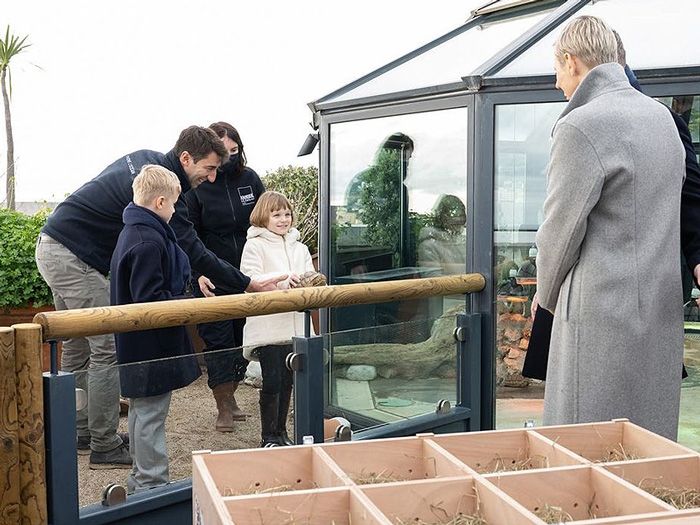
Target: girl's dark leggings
275 374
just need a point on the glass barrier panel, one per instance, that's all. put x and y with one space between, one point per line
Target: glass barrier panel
190 417
394 372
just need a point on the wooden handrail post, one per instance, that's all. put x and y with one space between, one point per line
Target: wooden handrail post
9 441
30 415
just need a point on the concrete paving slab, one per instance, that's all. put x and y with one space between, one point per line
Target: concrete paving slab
354 395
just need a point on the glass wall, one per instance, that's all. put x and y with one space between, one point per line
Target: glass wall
397 211
523 139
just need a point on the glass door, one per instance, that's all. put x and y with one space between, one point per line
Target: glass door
398 195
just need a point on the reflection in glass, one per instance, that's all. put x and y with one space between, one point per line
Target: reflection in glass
649 43
521 155
387 379
396 183
449 61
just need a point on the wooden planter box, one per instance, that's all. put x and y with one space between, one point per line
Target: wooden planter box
509 477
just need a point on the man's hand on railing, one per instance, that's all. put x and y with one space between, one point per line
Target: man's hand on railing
206 286
265 285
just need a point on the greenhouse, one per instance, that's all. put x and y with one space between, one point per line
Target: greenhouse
435 164
432 183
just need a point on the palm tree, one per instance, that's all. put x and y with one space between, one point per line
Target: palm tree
11 46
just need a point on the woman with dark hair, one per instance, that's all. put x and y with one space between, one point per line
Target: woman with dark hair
220 212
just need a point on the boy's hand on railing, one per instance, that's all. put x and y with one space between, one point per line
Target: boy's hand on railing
206 286
265 285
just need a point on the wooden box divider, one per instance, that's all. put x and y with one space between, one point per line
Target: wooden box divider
671 479
388 460
585 493
506 450
278 469
308 507
687 517
444 499
617 440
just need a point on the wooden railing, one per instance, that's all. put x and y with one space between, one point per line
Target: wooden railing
22 450
144 316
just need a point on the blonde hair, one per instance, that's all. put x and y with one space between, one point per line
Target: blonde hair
588 38
152 182
267 203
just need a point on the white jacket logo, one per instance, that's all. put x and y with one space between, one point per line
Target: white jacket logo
246 195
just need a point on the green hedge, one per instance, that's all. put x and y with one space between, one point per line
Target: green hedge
21 284
300 186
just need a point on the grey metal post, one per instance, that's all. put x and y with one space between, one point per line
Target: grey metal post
61 450
307 364
468 336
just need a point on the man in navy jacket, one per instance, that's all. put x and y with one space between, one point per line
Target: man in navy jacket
73 255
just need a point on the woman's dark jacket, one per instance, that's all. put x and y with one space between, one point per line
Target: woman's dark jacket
220 213
148 265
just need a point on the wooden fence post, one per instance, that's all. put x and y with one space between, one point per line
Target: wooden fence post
30 412
9 441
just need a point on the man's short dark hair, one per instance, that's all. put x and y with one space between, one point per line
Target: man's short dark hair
200 142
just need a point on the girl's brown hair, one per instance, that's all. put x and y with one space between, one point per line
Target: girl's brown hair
267 203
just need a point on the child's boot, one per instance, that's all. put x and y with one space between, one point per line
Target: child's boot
269 407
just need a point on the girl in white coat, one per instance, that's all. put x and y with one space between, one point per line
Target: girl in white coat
273 248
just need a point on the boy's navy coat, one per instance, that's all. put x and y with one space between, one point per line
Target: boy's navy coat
148 265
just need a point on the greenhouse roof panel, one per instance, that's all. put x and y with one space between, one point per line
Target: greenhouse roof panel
449 61
656 34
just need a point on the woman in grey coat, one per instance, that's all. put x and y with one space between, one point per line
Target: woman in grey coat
606 261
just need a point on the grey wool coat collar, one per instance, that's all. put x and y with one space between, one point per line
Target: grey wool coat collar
607 262
602 79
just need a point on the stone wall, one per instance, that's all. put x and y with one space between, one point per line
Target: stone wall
512 338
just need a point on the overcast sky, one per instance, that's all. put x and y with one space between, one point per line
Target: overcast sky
115 77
